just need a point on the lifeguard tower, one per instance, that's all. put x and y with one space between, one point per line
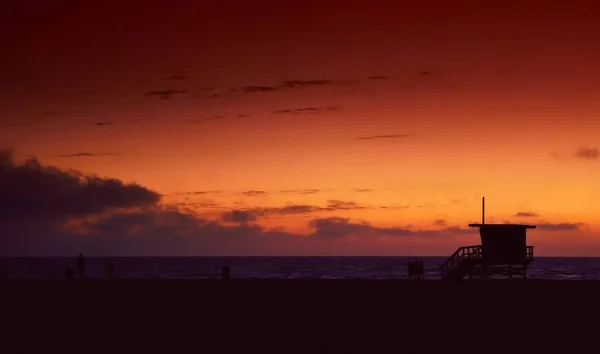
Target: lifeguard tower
503 251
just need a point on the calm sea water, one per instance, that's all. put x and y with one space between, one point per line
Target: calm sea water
274 267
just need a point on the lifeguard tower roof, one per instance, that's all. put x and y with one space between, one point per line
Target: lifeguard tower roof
504 226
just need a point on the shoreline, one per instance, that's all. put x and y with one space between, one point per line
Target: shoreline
284 285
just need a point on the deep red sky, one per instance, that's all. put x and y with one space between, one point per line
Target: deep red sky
480 98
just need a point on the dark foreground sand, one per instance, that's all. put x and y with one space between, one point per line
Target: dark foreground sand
299 316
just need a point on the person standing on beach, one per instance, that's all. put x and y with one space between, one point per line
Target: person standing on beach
110 270
80 265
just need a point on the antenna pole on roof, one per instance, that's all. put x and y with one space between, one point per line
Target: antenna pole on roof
482 210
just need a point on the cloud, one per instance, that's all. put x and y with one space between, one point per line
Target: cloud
391 136
204 119
31 191
333 205
46 211
100 124
87 154
457 201
251 89
330 206
165 94
564 226
198 192
440 222
301 191
526 214
253 193
176 77
292 84
587 153
215 118
362 190
310 110
306 83
290 209
238 216
337 228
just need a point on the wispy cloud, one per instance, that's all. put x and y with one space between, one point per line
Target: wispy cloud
330 206
389 136
199 192
307 83
201 120
165 94
587 153
294 84
378 77
251 89
87 154
440 222
563 226
526 214
176 77
254 193
362 190
308 110
338 228
301 191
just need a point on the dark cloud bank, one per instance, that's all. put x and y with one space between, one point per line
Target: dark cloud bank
46 211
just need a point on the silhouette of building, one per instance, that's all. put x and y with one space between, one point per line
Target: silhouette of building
503 251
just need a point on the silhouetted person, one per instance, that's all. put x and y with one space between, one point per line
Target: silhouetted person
422 269
226 273
69 272
80 265
416 265
416 270
110 270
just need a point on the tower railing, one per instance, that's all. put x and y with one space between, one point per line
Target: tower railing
473 252
461 254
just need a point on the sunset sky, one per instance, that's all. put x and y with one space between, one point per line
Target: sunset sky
297 127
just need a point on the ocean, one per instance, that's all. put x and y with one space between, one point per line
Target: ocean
274 267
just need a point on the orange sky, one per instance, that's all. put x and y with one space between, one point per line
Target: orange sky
497 100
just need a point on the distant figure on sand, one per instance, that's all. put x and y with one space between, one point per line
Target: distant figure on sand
415 270
226 273
80 265
110 270
69 272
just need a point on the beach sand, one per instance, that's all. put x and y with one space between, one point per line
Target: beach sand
298 316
